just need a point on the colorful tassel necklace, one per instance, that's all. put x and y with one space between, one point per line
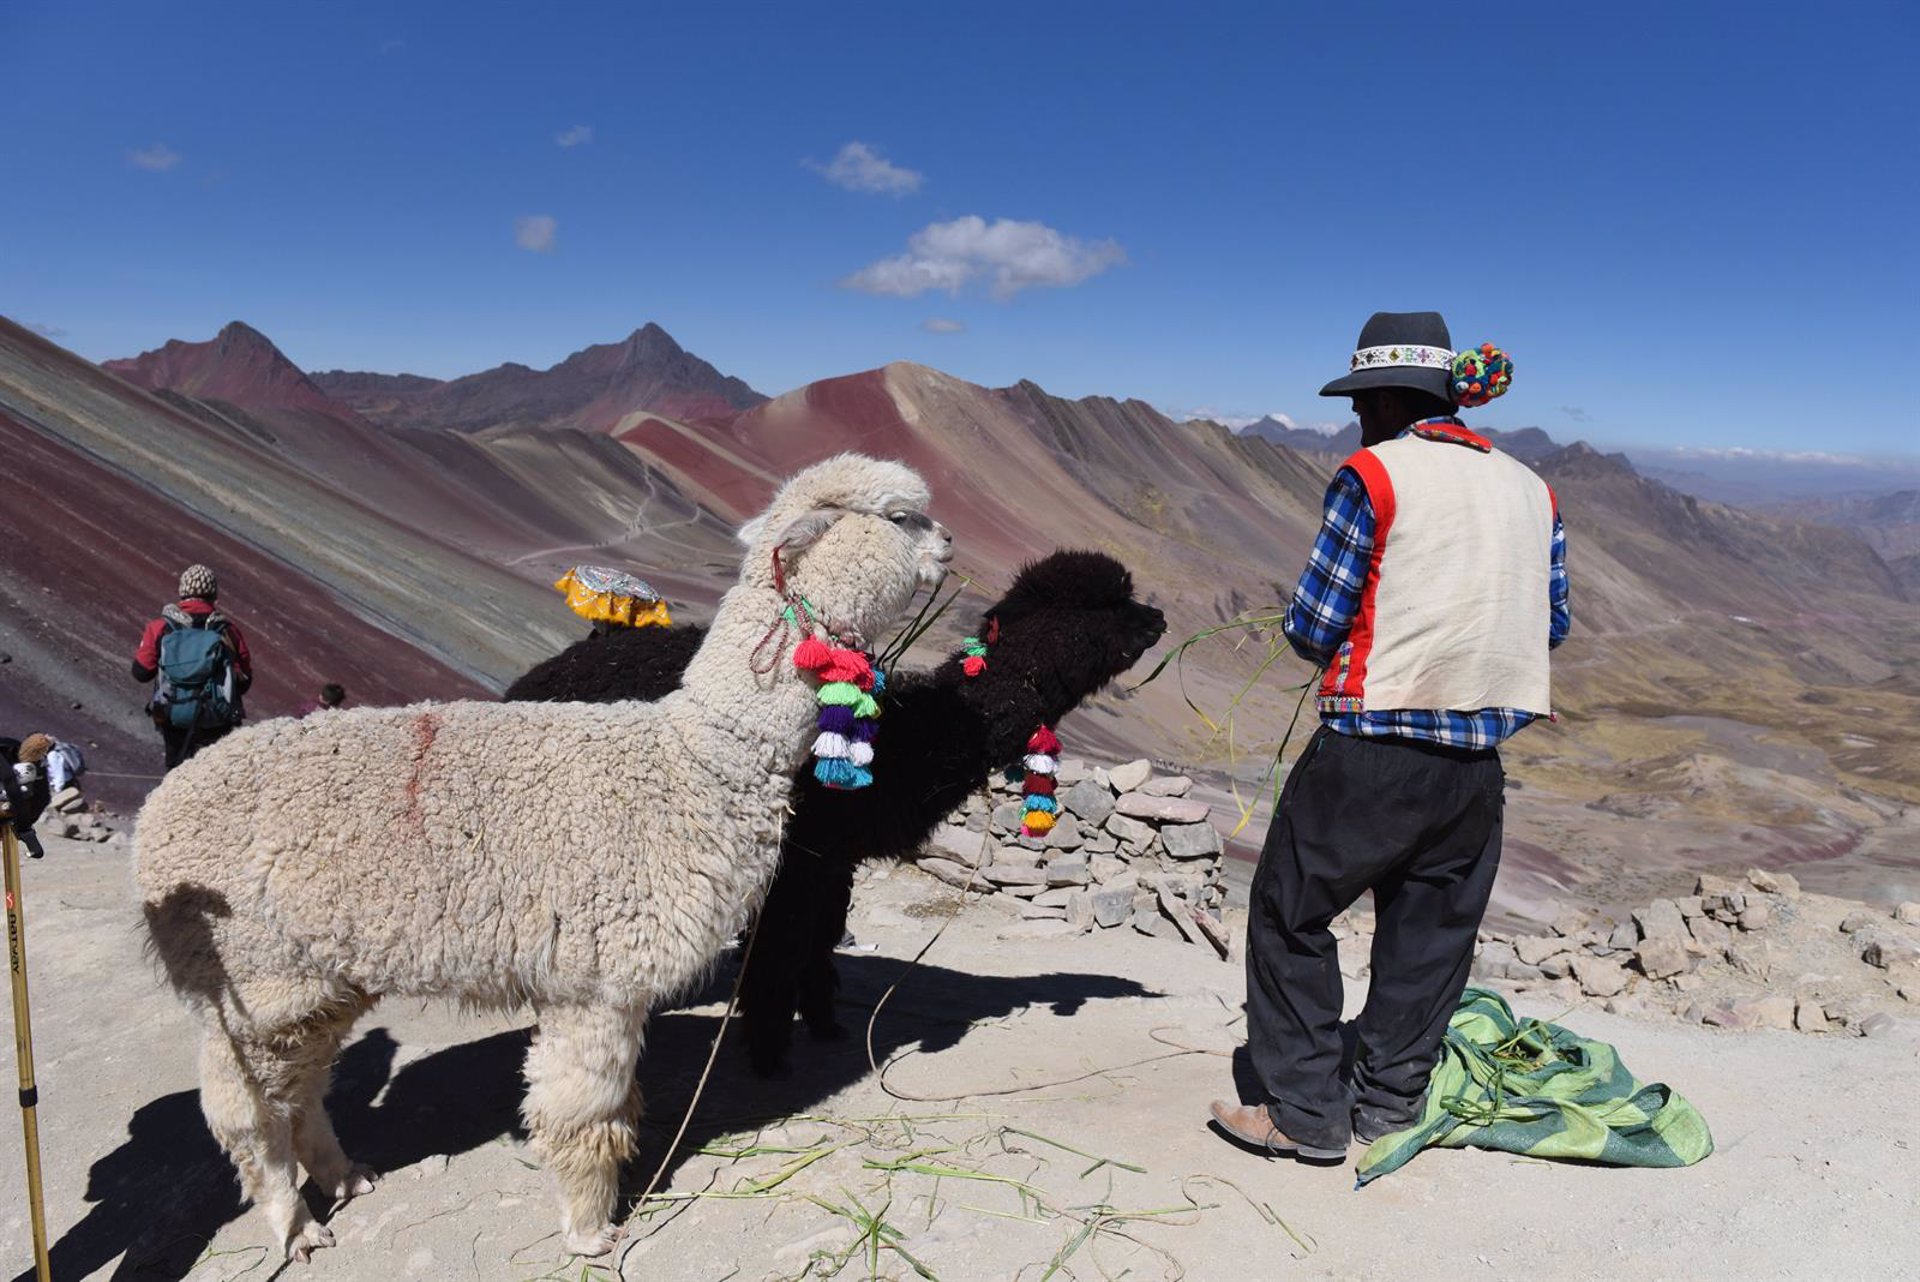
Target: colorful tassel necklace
848 690
1042 764
849 711
1038 770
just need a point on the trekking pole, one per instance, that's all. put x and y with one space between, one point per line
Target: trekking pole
23 1042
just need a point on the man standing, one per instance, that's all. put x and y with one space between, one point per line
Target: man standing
200 667
1434 591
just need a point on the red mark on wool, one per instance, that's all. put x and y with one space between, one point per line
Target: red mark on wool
426 728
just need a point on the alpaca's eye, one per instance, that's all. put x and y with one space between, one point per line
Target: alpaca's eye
899 518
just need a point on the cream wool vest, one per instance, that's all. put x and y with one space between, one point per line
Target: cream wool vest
1455 611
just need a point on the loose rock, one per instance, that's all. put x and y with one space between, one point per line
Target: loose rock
1167 810
1130 776
1168 786
1191 841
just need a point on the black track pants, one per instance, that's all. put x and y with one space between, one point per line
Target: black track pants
1419 825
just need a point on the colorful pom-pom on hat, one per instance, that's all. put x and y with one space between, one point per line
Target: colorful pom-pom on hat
1479 374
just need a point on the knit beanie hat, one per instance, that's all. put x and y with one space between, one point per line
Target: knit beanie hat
198 581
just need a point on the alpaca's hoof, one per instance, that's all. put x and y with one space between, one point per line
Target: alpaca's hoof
773 1068
593 1241
358 1179
308 1240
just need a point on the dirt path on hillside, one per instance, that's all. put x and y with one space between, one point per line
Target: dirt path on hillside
1817 1174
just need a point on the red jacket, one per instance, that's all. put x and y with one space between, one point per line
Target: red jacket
146 659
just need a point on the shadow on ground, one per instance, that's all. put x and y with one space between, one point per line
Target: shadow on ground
162 1195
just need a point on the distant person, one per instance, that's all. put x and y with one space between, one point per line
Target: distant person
332 695
1434 591
198 662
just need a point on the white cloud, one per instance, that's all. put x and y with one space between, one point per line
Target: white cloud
860 167
1013 255
157 159
941 325
535 232
574 135
1745 454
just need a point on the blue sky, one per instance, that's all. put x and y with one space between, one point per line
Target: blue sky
1691 224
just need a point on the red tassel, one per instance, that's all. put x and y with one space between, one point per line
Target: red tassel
811 655
973 665
1044 741
846 665
1038 785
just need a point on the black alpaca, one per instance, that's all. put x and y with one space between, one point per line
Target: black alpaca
1067 626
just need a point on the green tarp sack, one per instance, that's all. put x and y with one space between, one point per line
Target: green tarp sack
1537 1089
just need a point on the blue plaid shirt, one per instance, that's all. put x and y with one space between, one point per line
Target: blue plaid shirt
1328 598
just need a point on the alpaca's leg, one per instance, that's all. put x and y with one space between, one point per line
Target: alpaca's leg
238 1082
831 898
314 1142
581 1109
769 992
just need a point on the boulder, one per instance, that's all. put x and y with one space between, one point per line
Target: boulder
1661 919
1131 832
1810 1017
1662 956
1534 949
948 871
1057 897
1168 786
1022 890
1773 883
1623 938
1130 776
1707 884
1072 770
1079 907
1689 906
1859 919
1889 951
1773 1011
1149 922
1034 910
961 845
1101 842
1215 931
1068 872
1599 977
1908 912
67 800
1104 868
1111 907
1558 966
1878 1024
1014 874
1006 816
1166 810
1065 835
1088 801
1710 934
1179 914
1191 841
1725 1017
1758 916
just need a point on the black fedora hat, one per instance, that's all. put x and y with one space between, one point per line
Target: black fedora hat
1400 349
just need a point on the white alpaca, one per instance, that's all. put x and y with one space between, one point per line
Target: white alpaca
589 859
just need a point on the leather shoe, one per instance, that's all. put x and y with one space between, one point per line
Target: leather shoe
1253 1126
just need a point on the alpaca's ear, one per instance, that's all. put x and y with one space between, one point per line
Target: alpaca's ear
751 530
805 530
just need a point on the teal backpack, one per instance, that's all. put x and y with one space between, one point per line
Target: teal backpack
196 672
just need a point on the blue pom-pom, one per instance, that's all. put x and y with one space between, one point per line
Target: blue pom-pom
1035 802
879 683
835 772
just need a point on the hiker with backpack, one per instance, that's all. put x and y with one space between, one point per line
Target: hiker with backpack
199 665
